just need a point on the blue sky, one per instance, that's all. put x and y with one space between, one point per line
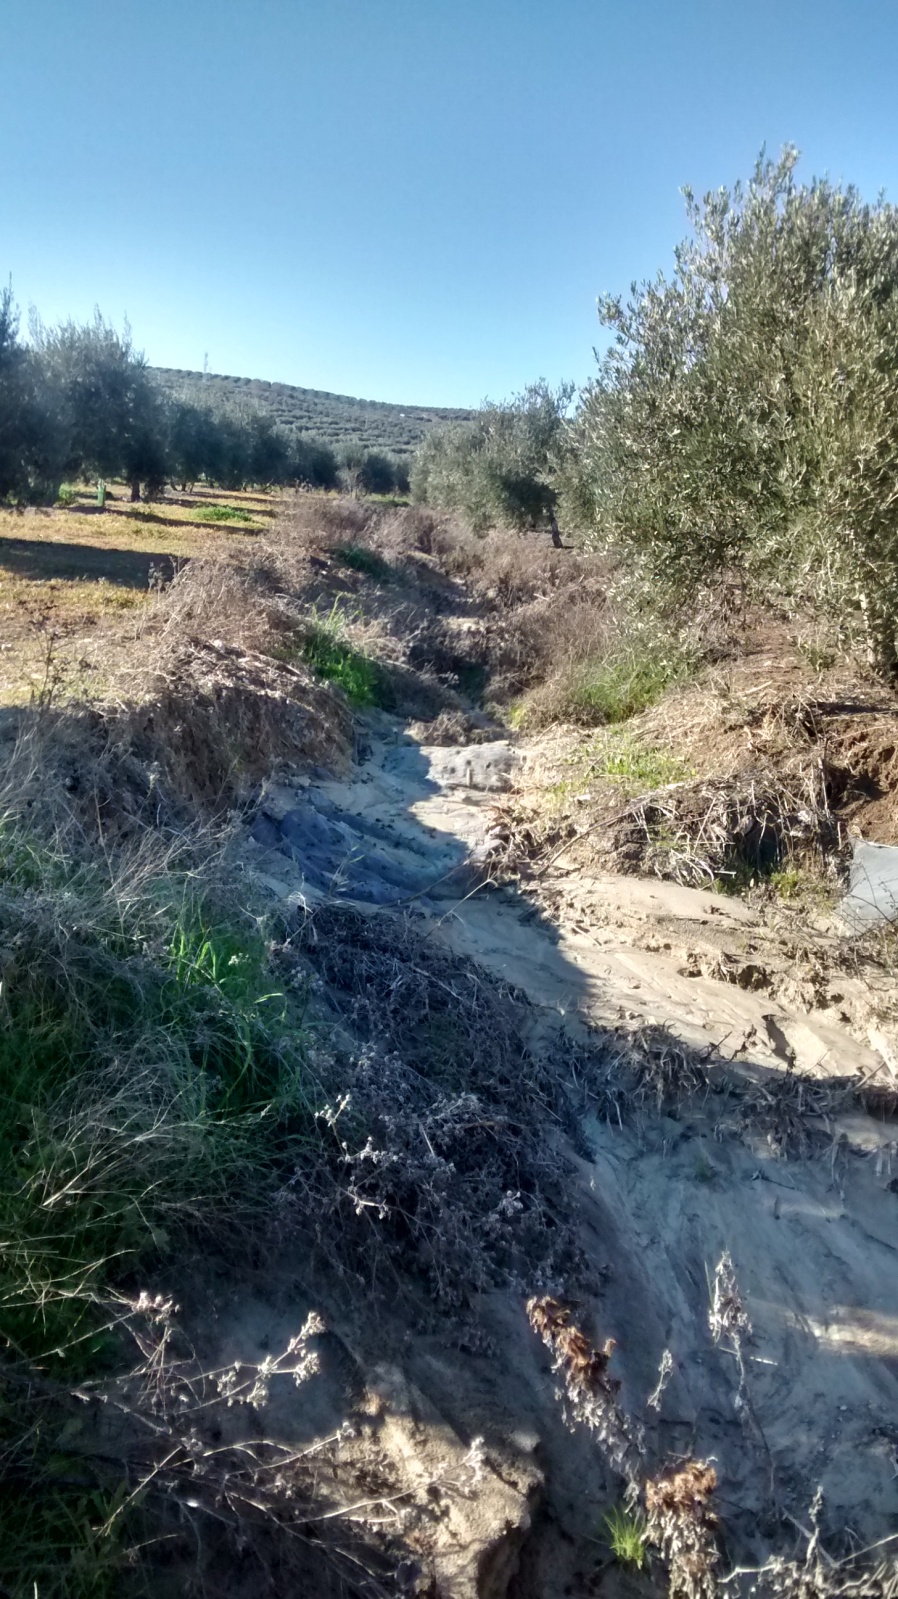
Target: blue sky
409 200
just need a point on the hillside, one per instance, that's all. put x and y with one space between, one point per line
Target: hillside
335 419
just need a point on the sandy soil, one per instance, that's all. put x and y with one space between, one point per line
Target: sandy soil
659 1194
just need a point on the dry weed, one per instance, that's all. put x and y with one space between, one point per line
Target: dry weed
589 1391
699 833
646 1067
440 1130
682 1523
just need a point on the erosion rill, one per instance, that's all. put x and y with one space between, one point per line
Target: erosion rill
522 1226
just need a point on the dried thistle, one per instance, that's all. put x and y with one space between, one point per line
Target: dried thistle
682 1523
727 1316
589 1388
665 1372
729 1323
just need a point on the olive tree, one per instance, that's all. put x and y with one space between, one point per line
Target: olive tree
744 422
113 414
502 467
32 431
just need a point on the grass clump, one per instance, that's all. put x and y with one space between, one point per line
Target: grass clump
620 686
359 677
223 513
141 1052
803 883
365 561
155 1089
593 688
330 655
626 1532
634 765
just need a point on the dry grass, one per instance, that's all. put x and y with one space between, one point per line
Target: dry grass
530 611
78 573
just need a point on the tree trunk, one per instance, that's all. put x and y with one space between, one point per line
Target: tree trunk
135 489
881 629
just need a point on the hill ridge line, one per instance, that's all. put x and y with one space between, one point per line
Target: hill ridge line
200 378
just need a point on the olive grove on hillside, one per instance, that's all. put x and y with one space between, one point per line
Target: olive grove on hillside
79 401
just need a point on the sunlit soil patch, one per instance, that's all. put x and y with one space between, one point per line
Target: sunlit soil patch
69 573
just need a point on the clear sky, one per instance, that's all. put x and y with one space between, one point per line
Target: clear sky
408 200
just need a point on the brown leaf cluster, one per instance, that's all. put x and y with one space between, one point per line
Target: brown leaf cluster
684 1493
584 1366
682 1524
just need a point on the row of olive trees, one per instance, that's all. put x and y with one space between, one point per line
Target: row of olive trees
742 432
78 401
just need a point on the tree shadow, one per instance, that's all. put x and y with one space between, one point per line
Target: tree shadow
45 559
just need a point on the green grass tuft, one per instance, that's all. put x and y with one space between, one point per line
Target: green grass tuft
615 688
636 766
627 1536
327 651
358 677
223 513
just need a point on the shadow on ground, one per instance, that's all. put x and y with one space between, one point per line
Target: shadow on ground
46 559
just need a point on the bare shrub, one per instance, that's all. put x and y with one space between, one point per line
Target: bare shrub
226 600
314 523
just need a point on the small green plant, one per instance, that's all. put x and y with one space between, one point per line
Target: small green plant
802 883
368 562
634 765
223 513
67 495
820 656
329 654
626 1531
788 881
736 880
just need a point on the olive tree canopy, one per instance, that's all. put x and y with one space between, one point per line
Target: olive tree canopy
744 423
